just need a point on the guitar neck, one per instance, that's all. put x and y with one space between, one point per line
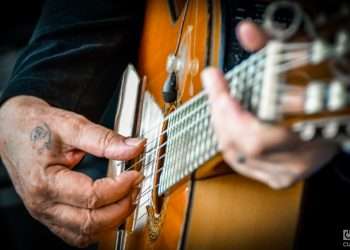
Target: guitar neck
258 84
190 137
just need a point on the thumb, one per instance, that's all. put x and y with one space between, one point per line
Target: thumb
250 36
97 140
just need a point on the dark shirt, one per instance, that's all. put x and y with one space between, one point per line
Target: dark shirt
74 61
77 53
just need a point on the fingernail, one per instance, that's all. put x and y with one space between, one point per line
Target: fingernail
134 141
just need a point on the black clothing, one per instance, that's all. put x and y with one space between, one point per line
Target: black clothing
74 61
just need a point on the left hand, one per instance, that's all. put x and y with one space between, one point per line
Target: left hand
271 154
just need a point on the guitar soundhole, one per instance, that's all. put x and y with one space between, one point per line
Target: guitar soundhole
176 7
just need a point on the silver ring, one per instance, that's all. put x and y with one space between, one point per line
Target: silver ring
241 159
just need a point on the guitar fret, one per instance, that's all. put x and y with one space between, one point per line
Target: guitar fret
190 136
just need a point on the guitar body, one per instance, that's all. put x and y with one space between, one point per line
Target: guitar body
214 208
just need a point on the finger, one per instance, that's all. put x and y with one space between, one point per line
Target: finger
77 189
219 95
299 163
235 126
72 238
251 37
228 118
276 176
247 169
90 221
79 132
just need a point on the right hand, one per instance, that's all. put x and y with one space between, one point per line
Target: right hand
40 145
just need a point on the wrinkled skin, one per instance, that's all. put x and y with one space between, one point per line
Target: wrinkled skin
40 145
272 155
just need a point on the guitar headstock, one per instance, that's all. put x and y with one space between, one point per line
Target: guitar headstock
306 71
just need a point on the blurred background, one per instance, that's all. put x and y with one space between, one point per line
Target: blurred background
17 21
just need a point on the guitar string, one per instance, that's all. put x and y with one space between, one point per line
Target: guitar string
170 140
151 188
176 125
228 77
152 174
148 163
173 139
163 155
177 122
158 147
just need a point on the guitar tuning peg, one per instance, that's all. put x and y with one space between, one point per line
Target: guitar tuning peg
342 43
314 99
308 132
337 96
330 130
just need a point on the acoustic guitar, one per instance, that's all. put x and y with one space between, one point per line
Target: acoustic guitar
190 199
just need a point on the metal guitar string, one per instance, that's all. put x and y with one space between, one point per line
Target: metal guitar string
151 188
228 77
164 144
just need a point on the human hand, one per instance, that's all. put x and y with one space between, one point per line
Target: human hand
267 153
40 145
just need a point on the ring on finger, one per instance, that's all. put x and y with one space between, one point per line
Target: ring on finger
241 159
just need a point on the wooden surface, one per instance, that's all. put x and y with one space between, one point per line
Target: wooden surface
159 39
232 212
174 210
229 211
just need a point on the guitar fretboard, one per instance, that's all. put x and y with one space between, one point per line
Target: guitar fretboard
190 137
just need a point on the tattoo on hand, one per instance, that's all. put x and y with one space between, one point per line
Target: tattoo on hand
41 134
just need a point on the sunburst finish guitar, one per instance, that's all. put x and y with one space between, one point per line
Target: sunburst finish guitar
189 198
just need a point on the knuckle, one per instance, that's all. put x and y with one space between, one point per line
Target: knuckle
93 198
88 224
38 188
82 241
224 145
252 148
106 138
281 183
229 157
222 101
274 185
77 122
299 167
80 119
37 208
33 209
